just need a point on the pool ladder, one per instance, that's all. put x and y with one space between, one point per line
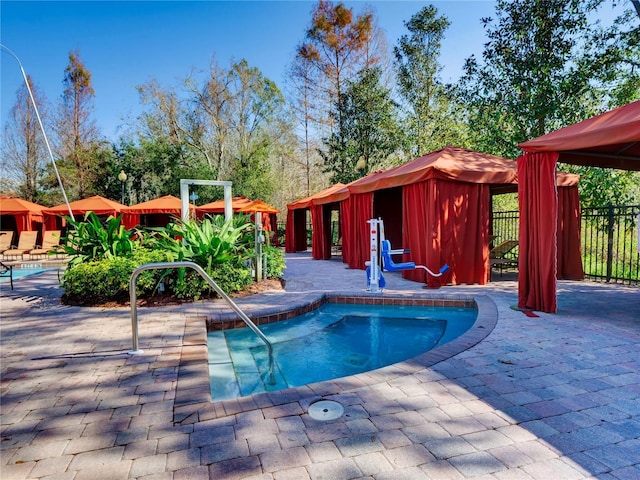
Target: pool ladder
133 297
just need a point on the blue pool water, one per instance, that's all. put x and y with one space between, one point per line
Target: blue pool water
19 272
333 341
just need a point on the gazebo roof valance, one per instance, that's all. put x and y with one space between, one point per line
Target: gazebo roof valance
166 204
217 206
610 140
307 201
450 163
97 204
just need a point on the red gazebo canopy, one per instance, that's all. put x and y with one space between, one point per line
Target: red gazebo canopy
610 140
168 205
218 206
296 228
28 215
96 204
450 163
258 206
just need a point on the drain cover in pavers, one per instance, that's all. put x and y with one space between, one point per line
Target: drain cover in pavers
325 410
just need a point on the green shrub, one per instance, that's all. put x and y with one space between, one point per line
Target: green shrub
229 277
100 281
110 254
275 261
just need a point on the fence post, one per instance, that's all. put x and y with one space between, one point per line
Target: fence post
610 226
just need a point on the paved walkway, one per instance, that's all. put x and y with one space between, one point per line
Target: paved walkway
553 396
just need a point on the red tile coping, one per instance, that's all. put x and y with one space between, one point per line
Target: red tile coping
193 395
219 322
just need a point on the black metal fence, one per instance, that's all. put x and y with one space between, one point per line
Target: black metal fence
609 241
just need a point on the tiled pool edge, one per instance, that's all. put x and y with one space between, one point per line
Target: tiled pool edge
193 398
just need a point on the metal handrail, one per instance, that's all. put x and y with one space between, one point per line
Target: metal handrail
133 297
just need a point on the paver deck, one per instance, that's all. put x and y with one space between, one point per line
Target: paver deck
552 396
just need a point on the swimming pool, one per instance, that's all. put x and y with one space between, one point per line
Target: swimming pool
19 272
333 341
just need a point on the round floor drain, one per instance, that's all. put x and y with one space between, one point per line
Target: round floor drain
325 410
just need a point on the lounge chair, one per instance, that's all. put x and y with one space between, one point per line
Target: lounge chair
26 243
6 271
50 241
6 236
502 255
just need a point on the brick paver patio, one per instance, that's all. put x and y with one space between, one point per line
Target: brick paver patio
547 397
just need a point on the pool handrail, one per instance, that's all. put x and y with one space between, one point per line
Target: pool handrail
133 298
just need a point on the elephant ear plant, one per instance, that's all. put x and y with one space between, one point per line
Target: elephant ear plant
91 240
215 245
207 243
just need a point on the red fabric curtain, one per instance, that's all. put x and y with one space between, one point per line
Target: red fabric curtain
23 222
361 210
290 233
569 252
300 223
54 222
130 220
418 212
537 196
345 228
447 222
321 236
296 231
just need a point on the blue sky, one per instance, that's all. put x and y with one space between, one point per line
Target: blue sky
124 44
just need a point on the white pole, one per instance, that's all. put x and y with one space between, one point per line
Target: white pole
184 195
258 233
184 200
44 134
228 207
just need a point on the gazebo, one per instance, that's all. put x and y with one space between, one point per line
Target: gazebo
609 140
296 227
103 207
241 204
438 207
154 213
18 215
269 214
217 206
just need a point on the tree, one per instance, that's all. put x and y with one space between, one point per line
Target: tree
369 131
336 46
304 106
76 131
257 122
153 169
542 70
531 81
613 55
227 128
429 120
23 149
